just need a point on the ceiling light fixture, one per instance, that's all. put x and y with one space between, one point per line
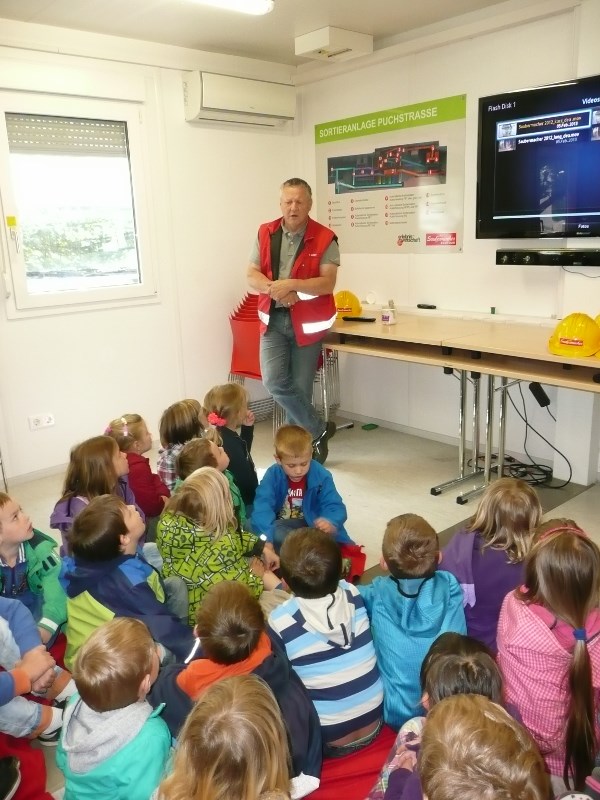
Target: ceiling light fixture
255 7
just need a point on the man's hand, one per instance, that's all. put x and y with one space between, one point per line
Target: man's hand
256 279
279 289
324 525
36 662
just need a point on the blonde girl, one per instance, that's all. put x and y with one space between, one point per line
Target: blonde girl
487 558
207 451
549 649
233 745
198 540
226 408
96 467
131 434
179 423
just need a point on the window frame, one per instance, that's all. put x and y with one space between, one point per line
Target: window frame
19 303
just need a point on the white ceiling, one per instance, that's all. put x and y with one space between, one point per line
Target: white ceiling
270 38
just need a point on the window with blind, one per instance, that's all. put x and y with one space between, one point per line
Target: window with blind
71 212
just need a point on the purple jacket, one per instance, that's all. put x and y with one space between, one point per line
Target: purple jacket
485 577
67 509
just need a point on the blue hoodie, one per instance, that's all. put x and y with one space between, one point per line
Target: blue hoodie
407 616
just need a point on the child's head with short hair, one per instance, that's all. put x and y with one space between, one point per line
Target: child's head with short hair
473 749
131 434
507 515
201 452
562 573
105 529
95 467
180 422
293 451
15 525
233 745
311 563
292 441
205 499
229 621
117 665
410 547
226 405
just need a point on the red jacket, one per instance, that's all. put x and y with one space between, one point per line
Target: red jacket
312 315
146 486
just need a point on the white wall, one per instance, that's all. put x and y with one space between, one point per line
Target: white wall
542 51
210 188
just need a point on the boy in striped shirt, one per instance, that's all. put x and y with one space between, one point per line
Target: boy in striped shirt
325 630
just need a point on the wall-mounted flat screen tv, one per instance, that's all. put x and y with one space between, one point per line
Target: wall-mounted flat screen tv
538 171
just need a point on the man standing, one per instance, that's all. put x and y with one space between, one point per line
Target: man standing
294 266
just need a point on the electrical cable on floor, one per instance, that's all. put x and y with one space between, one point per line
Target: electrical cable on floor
534 473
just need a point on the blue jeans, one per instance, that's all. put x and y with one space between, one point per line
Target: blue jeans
288 372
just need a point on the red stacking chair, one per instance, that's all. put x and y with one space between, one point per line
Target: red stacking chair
245 328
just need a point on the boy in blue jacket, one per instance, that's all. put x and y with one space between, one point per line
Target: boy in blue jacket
109 577
408 610
113 745
297 492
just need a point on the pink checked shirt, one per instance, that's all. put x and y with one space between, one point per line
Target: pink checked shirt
535 666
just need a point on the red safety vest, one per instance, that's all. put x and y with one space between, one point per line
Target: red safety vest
312 315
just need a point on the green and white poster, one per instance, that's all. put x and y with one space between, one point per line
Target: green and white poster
393 181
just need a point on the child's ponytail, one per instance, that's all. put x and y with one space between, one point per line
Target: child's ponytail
580 739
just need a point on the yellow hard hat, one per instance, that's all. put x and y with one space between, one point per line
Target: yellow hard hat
576 335
347 304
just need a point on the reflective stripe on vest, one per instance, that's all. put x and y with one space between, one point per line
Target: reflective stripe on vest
263 317
316 327
303 296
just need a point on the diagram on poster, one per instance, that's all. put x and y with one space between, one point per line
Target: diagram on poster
393 181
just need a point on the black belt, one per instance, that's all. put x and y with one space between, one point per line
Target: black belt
279 309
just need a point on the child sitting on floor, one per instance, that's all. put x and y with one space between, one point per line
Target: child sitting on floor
488 558
297 492
226 409
207 451
230 626
408 610
473 749
109 577
179 423
28 668
113 744
549 649
96 467
134 439
30 569
232 747
325 631
199 541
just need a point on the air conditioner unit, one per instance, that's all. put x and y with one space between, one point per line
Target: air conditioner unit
208 96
